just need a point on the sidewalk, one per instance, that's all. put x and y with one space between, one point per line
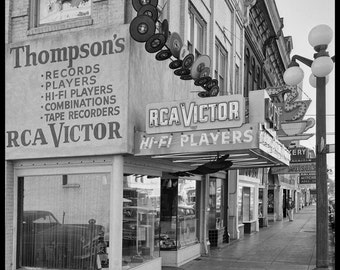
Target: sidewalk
283 245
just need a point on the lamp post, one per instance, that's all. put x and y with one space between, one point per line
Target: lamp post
319 37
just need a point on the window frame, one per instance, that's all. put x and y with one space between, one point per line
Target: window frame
21 171
195 20
34 16
221 53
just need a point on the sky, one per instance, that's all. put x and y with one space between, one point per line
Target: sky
299 17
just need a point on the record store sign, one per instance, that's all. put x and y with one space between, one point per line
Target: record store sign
195 114
66 95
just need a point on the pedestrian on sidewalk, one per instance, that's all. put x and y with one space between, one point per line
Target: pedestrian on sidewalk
290 209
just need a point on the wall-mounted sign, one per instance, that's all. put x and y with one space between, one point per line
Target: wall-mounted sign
307 178
308 167
196 114
66 95
291 110
196 141
246 137
301 154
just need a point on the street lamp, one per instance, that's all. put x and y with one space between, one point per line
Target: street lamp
319 37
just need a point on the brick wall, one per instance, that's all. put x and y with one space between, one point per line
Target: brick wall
9 211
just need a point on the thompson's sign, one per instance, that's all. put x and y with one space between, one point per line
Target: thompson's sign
197 114
67 95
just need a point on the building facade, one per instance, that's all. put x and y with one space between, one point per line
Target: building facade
105 143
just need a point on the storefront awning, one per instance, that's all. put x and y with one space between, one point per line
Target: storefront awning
248 146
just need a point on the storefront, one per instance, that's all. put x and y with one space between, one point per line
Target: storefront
91 183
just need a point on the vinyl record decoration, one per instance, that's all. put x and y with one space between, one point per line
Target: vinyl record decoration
138 4
155 43
188 61
213 92
163 55
201 62
183 52
175 44
182 71
175 64
148 10
165 29
142 28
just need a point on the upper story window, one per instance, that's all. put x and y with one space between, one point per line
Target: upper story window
197 32
53 11
221 63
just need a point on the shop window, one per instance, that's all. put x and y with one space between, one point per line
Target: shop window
63 225
221 67
178 218
260 202
53 11
246 204
141 218
196 32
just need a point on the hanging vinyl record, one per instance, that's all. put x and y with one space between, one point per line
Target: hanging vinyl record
175 64
175 44
183 52
200 63
188 61
210 84
205 72
186 77
142 28
138 4
155 43
213 92
203 94
202 81
182 71
148 10
163 55
165 29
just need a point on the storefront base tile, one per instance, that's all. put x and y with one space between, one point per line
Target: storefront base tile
179 257
155 264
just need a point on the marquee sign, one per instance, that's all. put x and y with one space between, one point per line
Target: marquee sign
195 114
67 94
244 138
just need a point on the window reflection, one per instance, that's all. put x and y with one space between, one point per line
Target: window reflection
62 224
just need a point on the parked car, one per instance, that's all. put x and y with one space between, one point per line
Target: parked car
48 243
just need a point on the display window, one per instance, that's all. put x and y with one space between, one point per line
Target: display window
178 219
246 204
141 219
63 221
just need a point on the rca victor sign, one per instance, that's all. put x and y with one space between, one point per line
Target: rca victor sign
66 95
196 114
